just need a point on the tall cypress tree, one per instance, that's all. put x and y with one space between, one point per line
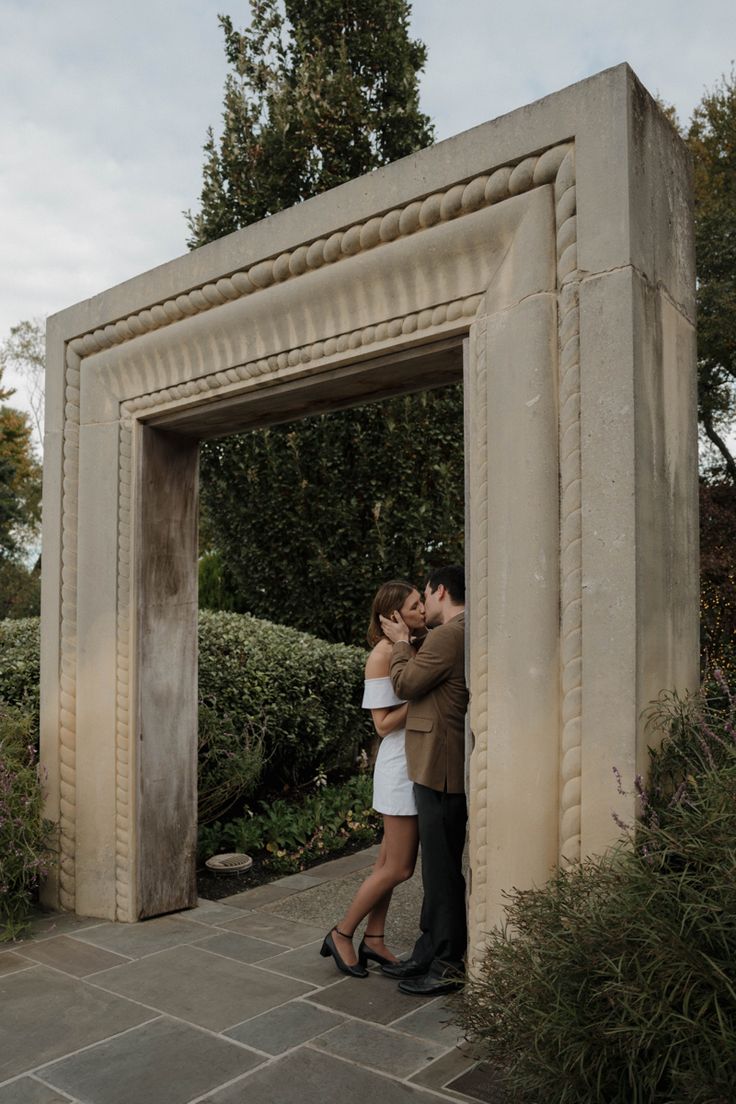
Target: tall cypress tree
307 519
318 93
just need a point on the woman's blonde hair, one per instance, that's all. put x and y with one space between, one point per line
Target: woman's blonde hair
389 597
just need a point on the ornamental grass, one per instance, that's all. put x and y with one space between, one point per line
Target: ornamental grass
25 854
616 981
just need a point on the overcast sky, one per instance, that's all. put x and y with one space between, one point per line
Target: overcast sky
104 108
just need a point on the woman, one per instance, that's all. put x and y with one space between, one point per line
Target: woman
393 793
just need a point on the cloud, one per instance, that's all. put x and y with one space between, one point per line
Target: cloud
487 60
104 108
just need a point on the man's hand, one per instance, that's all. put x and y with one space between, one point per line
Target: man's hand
395 628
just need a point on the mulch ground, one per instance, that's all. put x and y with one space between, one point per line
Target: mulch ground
213 887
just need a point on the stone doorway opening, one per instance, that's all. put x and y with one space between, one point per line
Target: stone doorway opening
308 517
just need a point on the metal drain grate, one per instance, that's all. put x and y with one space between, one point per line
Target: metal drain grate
233 863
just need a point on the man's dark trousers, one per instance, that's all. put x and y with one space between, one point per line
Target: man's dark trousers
442 821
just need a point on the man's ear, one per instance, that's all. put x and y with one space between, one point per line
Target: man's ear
441 591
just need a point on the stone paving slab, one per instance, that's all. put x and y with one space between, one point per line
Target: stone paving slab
483 1083
144 938
307 1076
164 1062
324 905
306 964
375 998
259 895
249 979
445 1070
47 924
304 880
210 912
73 956
242 948
284 1027
431 1021
201 988
379 1048
26 1090
45 1015
10 962
275 929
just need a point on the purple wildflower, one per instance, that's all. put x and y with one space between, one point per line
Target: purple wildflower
619 786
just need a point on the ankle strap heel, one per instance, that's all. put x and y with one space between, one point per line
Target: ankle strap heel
366 953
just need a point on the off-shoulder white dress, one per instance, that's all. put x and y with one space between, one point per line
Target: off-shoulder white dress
393 791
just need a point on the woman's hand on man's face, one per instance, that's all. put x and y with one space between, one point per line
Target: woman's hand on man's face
395 628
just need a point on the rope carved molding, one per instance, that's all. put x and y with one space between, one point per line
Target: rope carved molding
555 166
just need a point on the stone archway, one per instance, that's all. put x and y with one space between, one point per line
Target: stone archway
556 240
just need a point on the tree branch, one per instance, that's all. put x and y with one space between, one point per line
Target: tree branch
721 445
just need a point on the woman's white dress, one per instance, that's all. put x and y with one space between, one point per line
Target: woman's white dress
393 791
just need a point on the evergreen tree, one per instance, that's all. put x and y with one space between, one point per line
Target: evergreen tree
20 480
319 92
310 517
24 352
20 500
712 140
302 522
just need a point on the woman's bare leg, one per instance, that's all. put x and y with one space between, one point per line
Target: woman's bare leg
396 861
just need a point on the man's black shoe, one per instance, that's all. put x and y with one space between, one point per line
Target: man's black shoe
431 984
407 969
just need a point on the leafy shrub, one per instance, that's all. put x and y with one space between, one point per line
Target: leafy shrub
718 575
24 834
282 696
295 833
304 692
19 665
230 763
20 589
614 983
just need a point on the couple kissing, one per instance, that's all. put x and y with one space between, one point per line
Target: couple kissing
416 691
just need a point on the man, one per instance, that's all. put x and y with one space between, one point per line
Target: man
433 683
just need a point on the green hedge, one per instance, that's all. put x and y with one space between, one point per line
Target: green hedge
19 665
302 694
282 705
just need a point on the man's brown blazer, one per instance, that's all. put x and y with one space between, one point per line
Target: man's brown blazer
433 682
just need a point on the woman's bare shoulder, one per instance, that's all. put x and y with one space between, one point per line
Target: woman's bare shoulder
378 662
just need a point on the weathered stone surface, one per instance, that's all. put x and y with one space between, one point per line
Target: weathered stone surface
35 1024
558 240
120 1070
205 989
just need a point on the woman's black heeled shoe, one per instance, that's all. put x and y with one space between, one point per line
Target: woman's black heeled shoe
328 948
365 953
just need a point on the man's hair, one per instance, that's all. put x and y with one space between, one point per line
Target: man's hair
452 578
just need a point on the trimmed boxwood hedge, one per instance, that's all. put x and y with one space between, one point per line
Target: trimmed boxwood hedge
302 693
297 695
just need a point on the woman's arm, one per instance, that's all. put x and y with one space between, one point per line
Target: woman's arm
388 720
385 720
